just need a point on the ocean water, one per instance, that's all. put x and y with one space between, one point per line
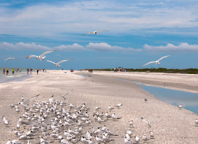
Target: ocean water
17 76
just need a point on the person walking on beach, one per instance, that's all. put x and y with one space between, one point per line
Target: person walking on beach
12 71
3 71
31 69
28 70
37 71
7 71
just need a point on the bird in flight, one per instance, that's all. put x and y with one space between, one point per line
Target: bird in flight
149 123
157 61
57 64
94 32
9 58
41 57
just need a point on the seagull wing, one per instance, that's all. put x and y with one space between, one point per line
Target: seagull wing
28 100
154 119
64 96
163 57
64 61
50 61
6 59
101 30
47 52
9 58
149 63
88 33
31 56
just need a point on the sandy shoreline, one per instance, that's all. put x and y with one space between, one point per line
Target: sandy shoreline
183 82
172 126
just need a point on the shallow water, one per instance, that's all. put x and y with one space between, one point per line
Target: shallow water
173 97
17 76
86 75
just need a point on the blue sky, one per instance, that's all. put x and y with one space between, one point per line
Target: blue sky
138 32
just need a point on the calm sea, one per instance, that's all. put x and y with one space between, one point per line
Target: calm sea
17 76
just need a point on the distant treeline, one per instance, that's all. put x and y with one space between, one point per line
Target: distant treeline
164 70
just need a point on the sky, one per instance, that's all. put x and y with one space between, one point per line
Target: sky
137 32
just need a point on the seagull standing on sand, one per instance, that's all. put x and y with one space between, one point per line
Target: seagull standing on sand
110 108
94 32
144 137
118 105
131 123
157 61
41 57
5 121
196 122
57 64
180 106
9 58
151 135
137 139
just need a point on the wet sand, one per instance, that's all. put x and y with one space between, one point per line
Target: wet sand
172 125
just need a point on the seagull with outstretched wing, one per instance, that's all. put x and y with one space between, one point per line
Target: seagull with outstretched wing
157 61
41 57
149 123
94 32
9 58
57 64
64 95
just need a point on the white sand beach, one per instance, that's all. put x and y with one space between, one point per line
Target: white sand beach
171 126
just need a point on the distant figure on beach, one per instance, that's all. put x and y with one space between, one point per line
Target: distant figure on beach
37 71
43 70
12 71
28 70
7 71
31 69
3 71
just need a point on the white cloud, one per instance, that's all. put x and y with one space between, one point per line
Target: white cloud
22 46
75 48
100 47
183 47
104 47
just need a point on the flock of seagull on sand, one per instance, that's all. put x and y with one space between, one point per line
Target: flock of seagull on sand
54 121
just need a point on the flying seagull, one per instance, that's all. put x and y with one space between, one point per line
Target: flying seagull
41 57
94 32
9 58
157 61
57 64
149 123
